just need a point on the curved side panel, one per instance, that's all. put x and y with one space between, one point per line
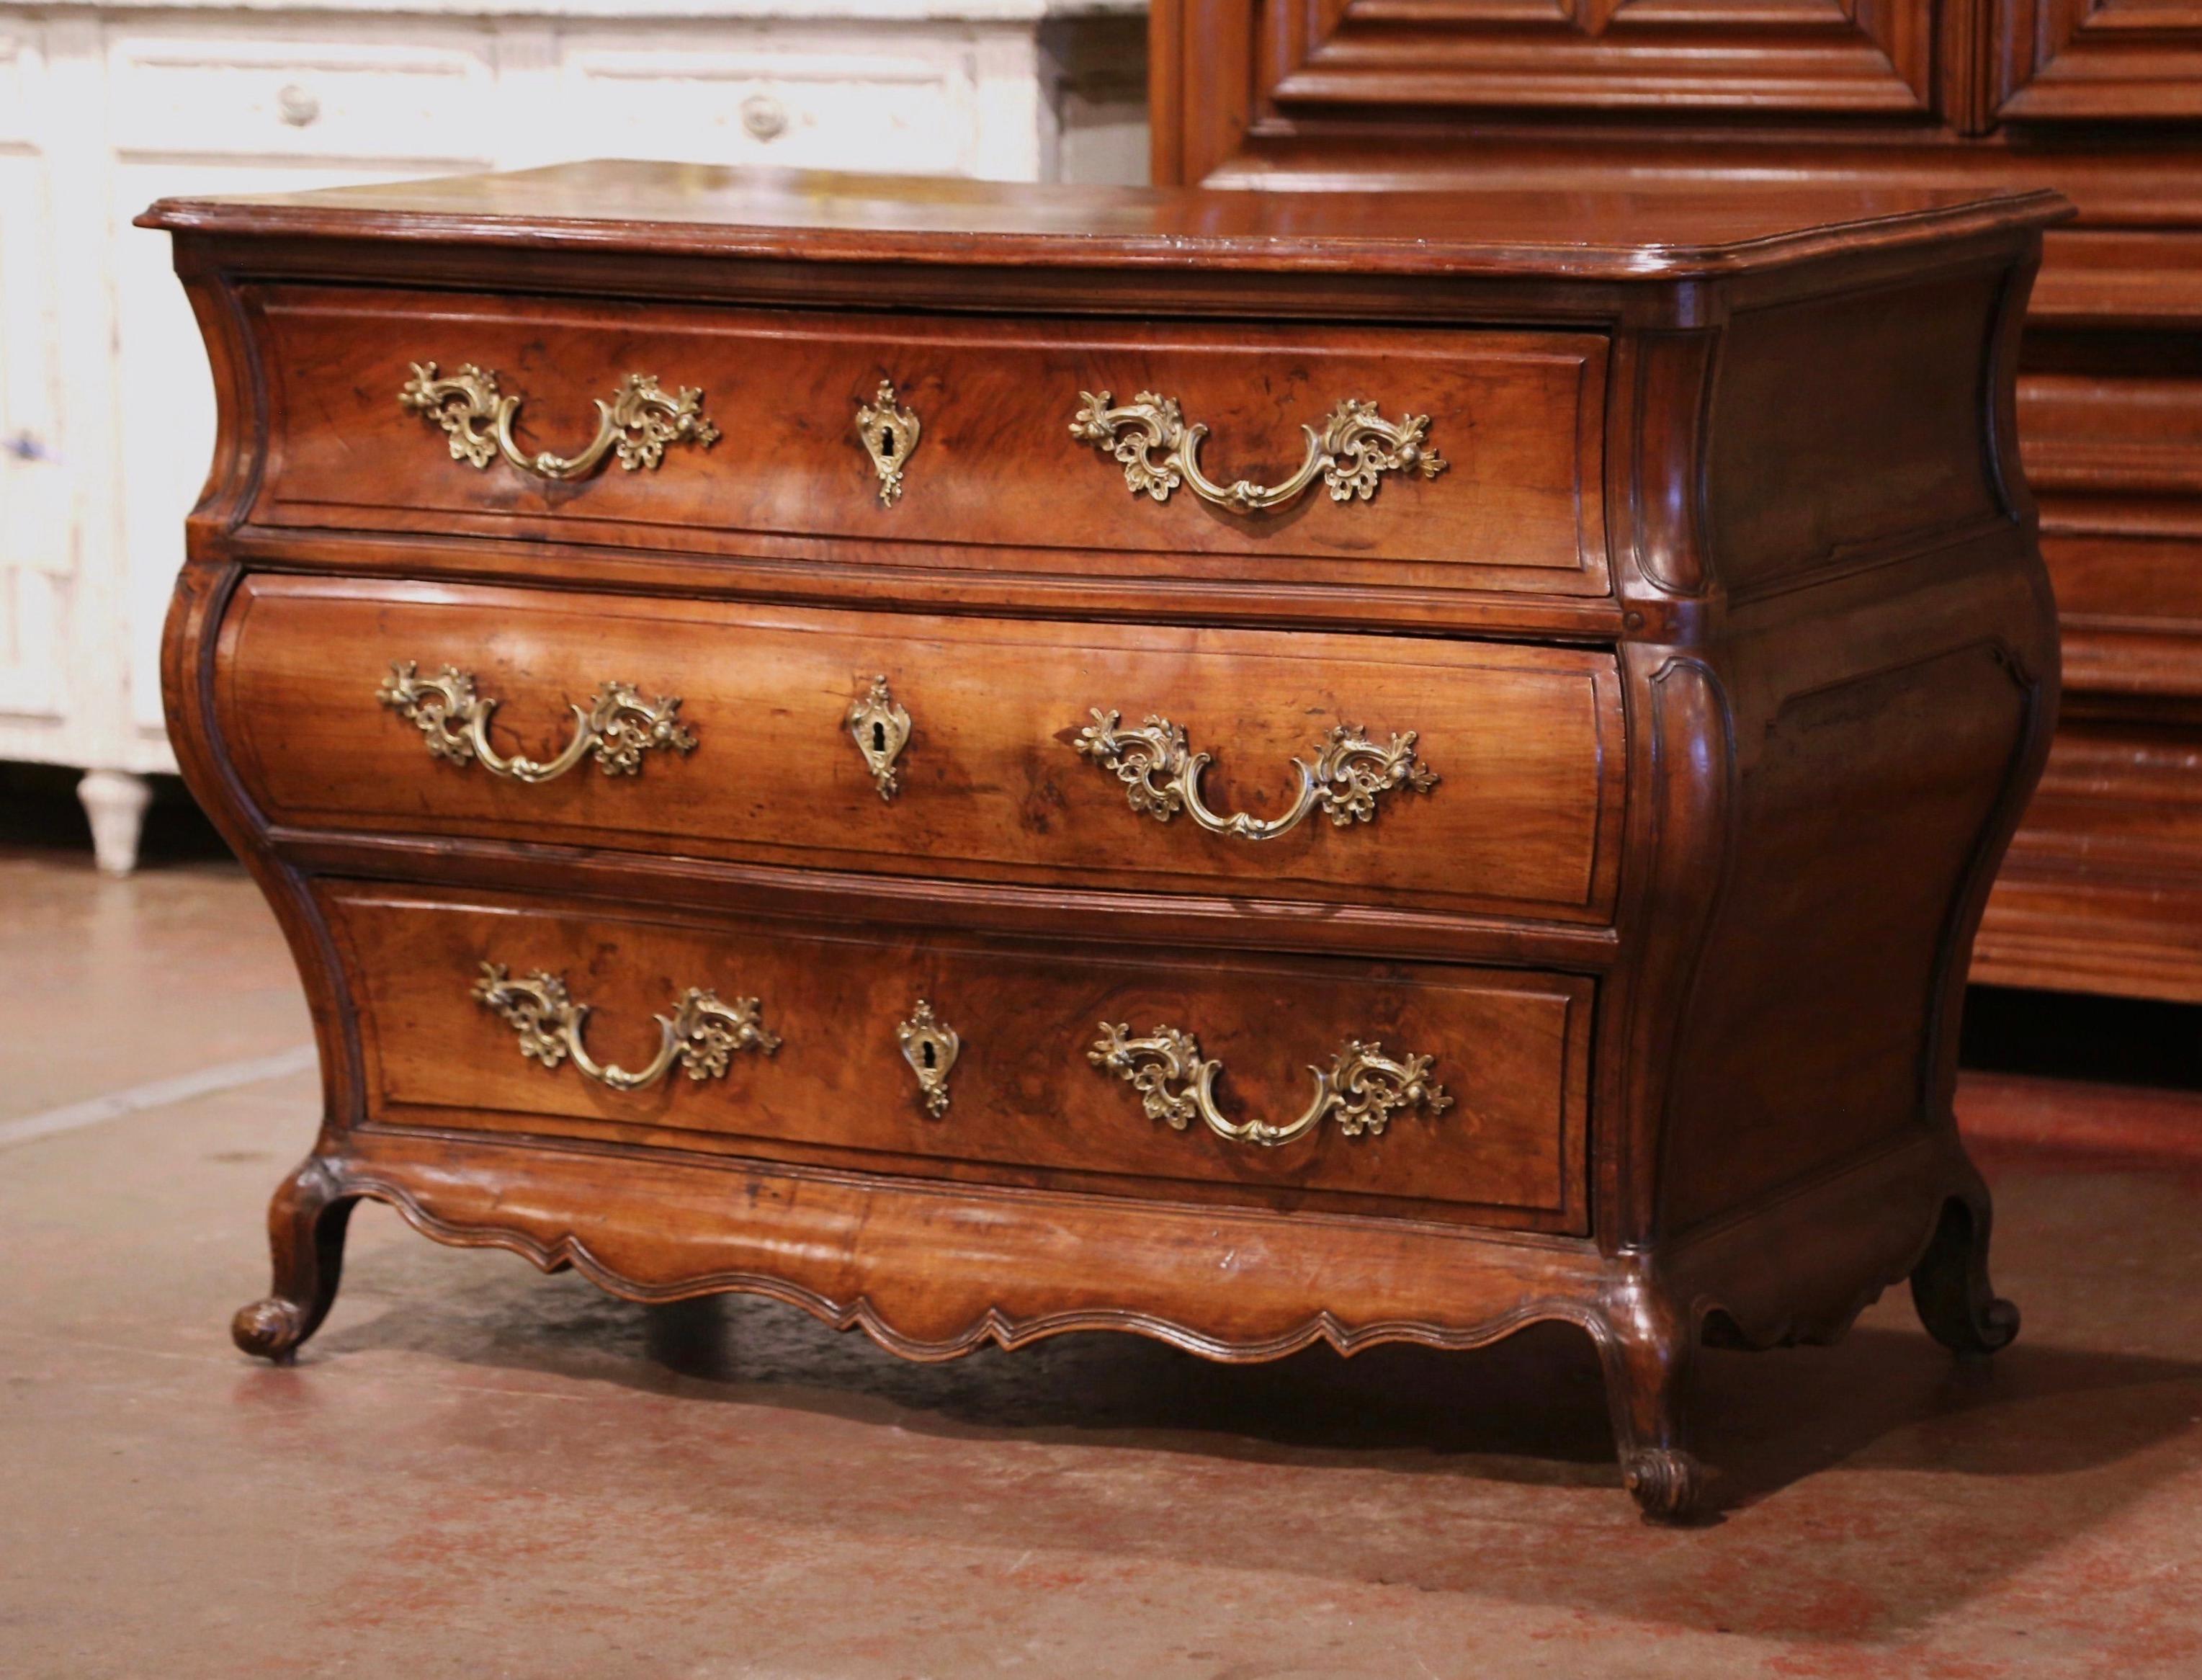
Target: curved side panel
189 640
1682 766
1657 483
1863 806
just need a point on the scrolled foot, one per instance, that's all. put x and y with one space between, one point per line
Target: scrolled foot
305 1233
1989 1328
269 1329
1950 1285
1667 1484
1649 1345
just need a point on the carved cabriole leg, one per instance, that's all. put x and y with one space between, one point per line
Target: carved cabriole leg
1649 1349
306 1225
1950 1285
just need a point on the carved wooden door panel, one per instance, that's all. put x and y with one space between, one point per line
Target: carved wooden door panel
2093 60
1836 57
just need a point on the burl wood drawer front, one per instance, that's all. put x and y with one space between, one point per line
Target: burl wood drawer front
1495 1128
995 477
1523 820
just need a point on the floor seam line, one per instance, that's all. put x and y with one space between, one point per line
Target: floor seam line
157 1093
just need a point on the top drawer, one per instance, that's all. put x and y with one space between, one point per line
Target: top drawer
995 475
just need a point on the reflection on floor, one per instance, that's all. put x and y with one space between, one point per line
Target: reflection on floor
478 1472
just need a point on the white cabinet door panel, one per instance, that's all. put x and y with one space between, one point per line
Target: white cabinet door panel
37 551
274 95
804 101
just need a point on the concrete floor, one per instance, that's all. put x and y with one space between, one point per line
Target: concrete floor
475 1470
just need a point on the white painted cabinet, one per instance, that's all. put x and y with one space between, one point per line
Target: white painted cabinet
37 549
106 410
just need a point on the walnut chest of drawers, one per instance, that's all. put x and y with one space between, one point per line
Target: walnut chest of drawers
1249 768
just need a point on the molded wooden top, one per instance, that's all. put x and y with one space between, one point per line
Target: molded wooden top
708 210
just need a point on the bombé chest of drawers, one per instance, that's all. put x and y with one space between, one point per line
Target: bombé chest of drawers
1249 768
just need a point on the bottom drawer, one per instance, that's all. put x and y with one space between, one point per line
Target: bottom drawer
1316 1062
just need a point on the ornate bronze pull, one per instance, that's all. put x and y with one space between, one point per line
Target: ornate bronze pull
701 1033
1161 776
930 1045
1354 446
1362 1086
617 724
638 422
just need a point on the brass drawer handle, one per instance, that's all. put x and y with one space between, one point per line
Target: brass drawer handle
1362 1086
1161 776
638 422
618 725
1354 446
701 1033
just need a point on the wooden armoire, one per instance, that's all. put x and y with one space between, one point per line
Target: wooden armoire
2103 101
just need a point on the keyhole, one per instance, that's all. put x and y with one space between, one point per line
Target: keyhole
886 446
879 737
927 1048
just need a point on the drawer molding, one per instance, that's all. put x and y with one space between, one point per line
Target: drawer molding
1030 1106
618 725
638 422
702 1034
989 788
1355 447
1009 492
1349 773
1362 1086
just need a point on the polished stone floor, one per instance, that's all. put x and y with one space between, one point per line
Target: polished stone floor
479 1471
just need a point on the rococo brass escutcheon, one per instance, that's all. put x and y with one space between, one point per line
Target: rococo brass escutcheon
889 433
1354 447
638 422
1362 1086
618 725
1161 776
701 1033
880 728
929 1046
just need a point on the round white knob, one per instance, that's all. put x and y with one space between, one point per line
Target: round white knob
296 106
764 117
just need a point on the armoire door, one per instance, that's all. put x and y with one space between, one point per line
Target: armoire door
1808 57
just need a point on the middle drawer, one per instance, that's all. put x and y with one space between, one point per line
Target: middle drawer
1270 763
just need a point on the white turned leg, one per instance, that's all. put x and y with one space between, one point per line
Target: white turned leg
115 802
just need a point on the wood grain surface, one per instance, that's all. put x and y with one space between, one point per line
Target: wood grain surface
1685 922
1525 819
824 217
1512 1050
1516 416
